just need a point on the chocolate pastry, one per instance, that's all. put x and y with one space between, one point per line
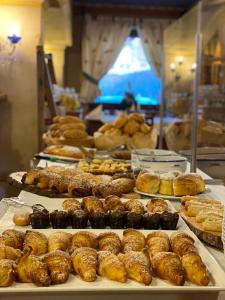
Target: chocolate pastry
116 219
151 221
59 219
98 219
78 219
169 220
133 220
40 217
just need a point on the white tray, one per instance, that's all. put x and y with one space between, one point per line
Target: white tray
102 285
66 158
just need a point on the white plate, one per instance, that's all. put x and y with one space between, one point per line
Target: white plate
70 159
75 284
207 191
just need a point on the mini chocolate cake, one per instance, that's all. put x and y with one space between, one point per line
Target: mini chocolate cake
78 219
98 219
39 219
116 219
133 220
59 219
169 220
151 221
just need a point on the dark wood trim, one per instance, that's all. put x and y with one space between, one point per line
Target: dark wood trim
51 67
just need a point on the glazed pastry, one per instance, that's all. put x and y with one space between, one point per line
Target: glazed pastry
42 179
212 224
21 218
111 267
98 219
59 265
182 243
31 268
59 219
116 219
133 220
35 241
28 178
78 219
183 185
7 252
80 187
151 221
12 238
200 184
113 203
148 183
40 219
137 265
157 241
84 239
6 272
59 241
60 183
167 265
134 205
109 241
133 240
84 261
92 204
71 204
157 205
195 270
169 220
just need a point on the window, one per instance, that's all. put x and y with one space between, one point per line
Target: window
131 73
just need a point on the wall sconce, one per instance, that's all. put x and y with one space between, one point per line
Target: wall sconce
193 68
14 34
172 67
180 60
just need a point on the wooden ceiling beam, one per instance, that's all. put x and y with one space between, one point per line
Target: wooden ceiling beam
130 11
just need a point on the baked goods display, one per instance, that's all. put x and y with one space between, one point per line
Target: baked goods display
65 151
171 184
204 216
67 130
60 181
108 167
112 212
126 130
130 254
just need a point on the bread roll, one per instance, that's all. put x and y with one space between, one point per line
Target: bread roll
131 127
105 127
136 117
74 134
200 184
183 185
148 183
145 128
120 121
166 184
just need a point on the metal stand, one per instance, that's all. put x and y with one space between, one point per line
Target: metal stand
162 105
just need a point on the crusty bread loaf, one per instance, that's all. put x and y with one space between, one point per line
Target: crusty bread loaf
148 183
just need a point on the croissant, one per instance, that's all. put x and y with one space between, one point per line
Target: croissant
12 238
59 241
71 204
137 265
36 241
60 183
84 261
113 203
6 272
31 268
84 239
167 265
59 266
111 267
195 270
182 243
109 241
92 204
28 178
134 205
133 240
7 252
157 242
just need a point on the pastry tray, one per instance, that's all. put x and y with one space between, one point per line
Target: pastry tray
102 285
52 204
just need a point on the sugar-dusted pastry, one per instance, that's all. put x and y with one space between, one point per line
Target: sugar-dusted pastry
133 240
134 205
157 205
21 218
84 261
195 270
31 268
71 204
66 151
113 203
157 241
78 219
137 265
6 272
166 184
36 241
84 239
59 265
148 183
12 238
80 187
110 266
182 243
92 204
59 219
168 266
109 241
60 183
28 178
183 185
59 240
7 252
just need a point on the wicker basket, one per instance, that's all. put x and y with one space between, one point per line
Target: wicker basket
87 142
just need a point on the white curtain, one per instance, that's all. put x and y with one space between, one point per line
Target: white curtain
103 39
151 34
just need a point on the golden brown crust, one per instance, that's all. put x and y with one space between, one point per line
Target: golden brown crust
109 241
7 252
12 238
92 204
183 185
134 205
35 241
21 218
85 239
137 117
71 204
112 203
182 244
133 240
148 183
120 121
157 205
6 272
59 240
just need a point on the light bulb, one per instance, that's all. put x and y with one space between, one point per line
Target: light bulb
180 60
14 29
172 67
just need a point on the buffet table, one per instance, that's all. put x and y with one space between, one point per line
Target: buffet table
217 192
